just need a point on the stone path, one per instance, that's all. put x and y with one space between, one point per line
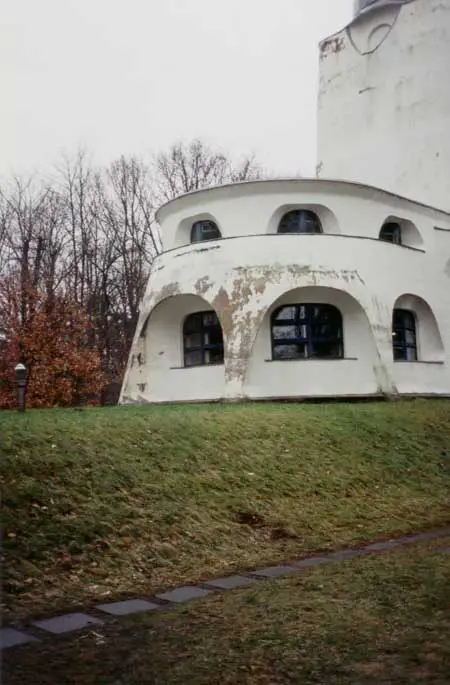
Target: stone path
65 624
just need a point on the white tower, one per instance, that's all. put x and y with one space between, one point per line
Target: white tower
384 99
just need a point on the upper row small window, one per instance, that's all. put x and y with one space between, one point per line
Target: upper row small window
204 230
391 232
300 221
294 221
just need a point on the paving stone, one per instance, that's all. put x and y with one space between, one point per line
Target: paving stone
275 571
66 623
230 583
345 554
183 594
130 606
382 546
10 637
312 561
443 549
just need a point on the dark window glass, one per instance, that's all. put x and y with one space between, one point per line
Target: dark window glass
202 339
404 338
300 221
204 230
307 331
391 233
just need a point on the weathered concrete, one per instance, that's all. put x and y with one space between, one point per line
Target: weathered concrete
258 270
384 105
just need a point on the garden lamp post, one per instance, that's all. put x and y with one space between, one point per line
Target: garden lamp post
21 378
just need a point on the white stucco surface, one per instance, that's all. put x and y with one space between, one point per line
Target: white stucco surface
384 101
252 270
383 122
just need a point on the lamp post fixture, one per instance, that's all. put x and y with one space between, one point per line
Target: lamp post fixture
21 378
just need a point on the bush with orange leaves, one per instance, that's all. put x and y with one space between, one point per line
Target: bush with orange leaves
52 336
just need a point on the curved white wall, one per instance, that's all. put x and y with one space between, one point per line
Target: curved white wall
243 278
384 101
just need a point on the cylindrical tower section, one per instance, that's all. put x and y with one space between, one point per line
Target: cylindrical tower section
384 99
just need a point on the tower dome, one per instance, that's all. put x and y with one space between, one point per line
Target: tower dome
363 6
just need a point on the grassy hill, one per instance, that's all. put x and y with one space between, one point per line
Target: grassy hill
106 503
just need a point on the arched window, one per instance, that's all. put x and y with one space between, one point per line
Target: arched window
391 232
202 339
307 331
204 230
300 221
404 336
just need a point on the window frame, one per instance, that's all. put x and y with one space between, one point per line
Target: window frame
312 216
202 222
396 228
309 339
203 347
403 344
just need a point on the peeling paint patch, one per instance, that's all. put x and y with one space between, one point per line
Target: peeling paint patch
169 290
203 285
331 46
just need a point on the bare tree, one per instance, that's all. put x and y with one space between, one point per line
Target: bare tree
192 166
90 234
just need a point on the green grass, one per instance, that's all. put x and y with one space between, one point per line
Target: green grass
109 503
370 621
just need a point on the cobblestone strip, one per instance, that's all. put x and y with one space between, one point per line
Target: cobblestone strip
72 622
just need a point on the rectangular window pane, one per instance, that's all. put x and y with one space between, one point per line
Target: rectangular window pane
289 351
411 354
192 340
210 319
214 356
399 336
410 337
193 358
399 354
193 323
215 337
326 349
325 330
287 313
285 332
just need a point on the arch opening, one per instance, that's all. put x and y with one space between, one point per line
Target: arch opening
415 331
181 338
197 228
300 221
303 219
204 230
401 232
343 349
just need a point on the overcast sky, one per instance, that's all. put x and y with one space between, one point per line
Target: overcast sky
132 76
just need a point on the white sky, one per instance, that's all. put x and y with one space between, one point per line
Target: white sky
132 76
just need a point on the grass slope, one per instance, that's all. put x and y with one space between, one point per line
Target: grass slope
373 620
107 503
